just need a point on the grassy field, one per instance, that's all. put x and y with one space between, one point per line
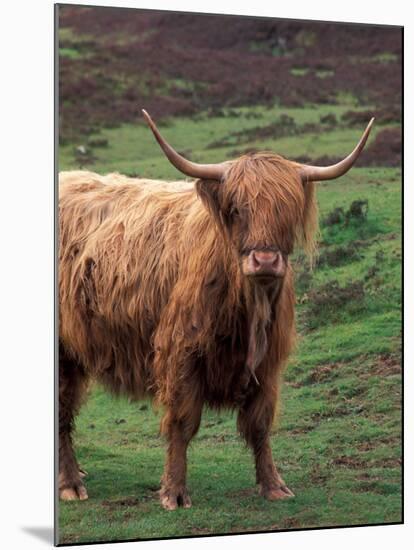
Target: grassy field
130 148
337 442
218 88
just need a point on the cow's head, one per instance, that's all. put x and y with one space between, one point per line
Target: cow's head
264 203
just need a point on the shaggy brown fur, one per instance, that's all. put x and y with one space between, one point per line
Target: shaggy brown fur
155 300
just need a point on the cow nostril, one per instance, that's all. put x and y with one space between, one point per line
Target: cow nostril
277 259
256 260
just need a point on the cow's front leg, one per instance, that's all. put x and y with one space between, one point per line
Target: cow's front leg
179 428
72 386
254 422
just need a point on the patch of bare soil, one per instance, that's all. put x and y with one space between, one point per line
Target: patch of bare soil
318 475
369 445
385 364
290 523
349 462
356 463
125 502
200 530
131 501
387 463
301 430
322 373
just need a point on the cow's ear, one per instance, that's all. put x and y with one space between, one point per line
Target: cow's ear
209 193
309 227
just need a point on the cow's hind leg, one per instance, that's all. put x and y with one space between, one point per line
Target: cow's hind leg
179 427
72 384
254 422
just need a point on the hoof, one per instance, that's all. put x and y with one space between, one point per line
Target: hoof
171 500
277 493
73 493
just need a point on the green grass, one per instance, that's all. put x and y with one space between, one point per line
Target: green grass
132 148
69 52
72 45
325 73
384 57
299 71
337 442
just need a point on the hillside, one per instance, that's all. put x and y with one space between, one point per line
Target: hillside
222 86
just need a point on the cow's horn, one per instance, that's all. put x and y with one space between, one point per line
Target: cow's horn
204 171
316 173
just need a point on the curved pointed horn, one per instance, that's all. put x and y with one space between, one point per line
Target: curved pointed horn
204 171
316 173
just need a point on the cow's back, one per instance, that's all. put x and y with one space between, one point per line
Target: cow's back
119 258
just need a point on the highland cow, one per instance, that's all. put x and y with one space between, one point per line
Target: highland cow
183 291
